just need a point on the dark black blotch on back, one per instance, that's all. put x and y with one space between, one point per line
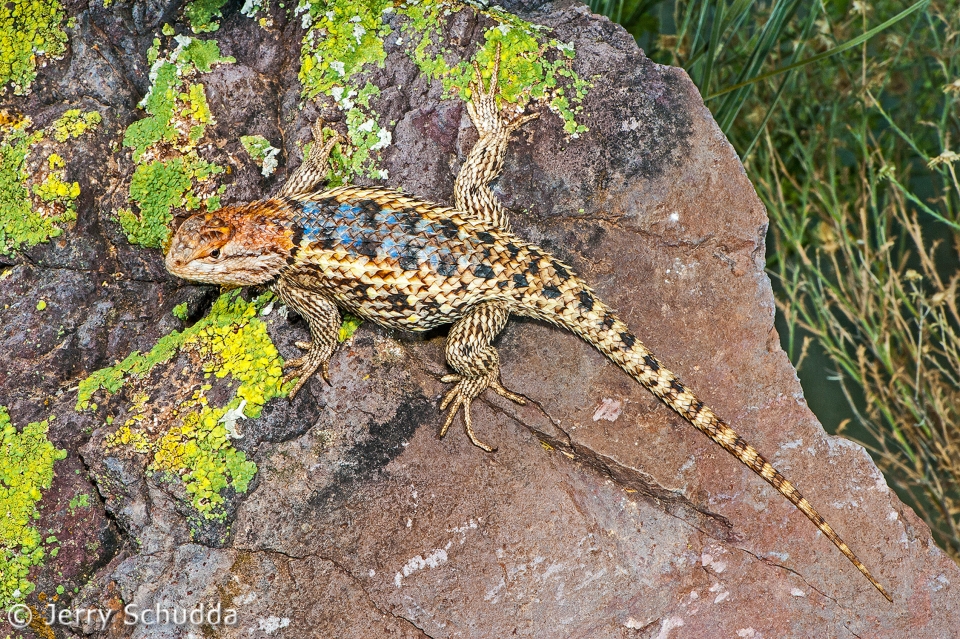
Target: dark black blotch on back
651 363
627 339
448 228
398 300
446 268
484 271
485 237
408 220
368 212
296 238
586 300
409 259
520 280
551 292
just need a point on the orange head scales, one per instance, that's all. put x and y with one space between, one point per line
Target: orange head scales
233 246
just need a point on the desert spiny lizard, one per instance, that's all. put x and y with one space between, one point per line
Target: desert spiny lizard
412 265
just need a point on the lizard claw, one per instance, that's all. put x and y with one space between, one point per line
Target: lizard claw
304 367
503 392
462 395
482 107
320 155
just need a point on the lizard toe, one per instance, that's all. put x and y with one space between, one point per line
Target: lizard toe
516 398
462 395
303 368
473 438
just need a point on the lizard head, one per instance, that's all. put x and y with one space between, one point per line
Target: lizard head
234 246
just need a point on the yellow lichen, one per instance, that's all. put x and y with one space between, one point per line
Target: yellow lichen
29 30
26 470
33 214
193 441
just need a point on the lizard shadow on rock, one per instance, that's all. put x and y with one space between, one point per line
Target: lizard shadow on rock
363 461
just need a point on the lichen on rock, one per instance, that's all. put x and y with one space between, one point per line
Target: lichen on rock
169 170
36 205
262 152
30 30
343 37
26 470
192 442
202 14
533 66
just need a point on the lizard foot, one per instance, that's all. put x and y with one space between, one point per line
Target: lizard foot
482 107
304 367
466 390
322 155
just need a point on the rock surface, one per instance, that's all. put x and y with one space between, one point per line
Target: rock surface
602 513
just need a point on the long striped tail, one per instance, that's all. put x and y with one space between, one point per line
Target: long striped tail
576 308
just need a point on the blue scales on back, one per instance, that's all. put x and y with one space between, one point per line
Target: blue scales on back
400 235
385 255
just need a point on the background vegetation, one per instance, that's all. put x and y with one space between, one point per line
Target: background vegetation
845 114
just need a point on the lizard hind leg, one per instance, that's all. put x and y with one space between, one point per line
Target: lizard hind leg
477 364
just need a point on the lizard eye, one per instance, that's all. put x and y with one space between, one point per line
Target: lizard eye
215 253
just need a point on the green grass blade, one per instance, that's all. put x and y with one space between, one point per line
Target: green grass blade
770 35
826 54
712 47
811 18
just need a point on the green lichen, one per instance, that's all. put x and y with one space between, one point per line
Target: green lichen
157 187
230 342
29 30
180 311
348 327
80 500
201 14
73 124
33 214
250 9
533 67
26 469
366 138
202 54
169 170
352 36
344 37
262 152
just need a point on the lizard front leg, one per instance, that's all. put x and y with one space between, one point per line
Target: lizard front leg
471 190
310 175
477 363
323 317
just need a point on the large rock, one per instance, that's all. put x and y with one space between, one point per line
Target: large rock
602 513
